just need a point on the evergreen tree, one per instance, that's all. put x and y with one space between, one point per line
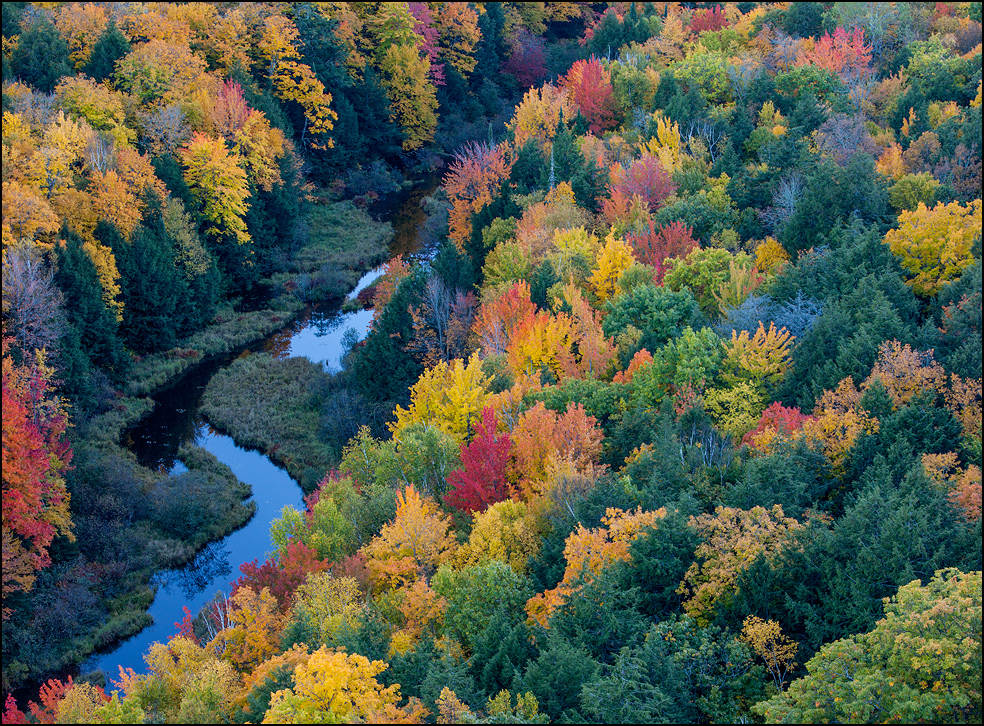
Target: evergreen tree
41 57
109 48
84 307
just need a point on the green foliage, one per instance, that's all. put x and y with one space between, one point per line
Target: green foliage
41 57
475 594
922 662
658 313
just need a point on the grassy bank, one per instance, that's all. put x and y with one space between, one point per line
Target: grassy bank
274 406
342 242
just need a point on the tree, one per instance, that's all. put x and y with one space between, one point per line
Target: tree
109 48
589 84
35 456
220 186
498 319
732 538
482 479
542 343
588 552
472 179
507 531
325 606
334 687
761 359
451 396
934 245
921 662
413 545
41 56
656 246
413 103
31 301
475 594
765 637
613 259
644 176
538 115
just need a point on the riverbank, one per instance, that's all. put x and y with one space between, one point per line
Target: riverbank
274 406
132 521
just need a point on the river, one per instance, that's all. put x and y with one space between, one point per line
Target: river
176 419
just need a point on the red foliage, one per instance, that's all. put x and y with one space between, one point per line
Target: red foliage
283 574
527 62
12 714
654 248
35 453
424 27
481 481
708 19
783 421
186 628
590 86
50 694
646 177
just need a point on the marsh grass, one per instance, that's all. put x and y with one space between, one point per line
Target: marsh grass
274 406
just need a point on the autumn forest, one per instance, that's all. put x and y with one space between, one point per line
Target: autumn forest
670 414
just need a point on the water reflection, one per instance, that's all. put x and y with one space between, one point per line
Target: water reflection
210 565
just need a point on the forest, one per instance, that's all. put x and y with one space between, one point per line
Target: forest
678 420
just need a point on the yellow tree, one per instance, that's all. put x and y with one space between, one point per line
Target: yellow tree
542 341
326 604
507 531
732 540
334 687
295 81
765 637
219 183
450 396
837 422
255 632
539 113
761 360
614 258
412 97
414 544
934 244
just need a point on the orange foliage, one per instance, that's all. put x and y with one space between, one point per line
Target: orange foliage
732 539
543 436
588 552
497 320
472 180
411 546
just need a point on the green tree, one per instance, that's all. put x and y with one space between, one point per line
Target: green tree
921 663
109 48
41 57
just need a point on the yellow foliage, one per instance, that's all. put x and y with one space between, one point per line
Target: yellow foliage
255 632
761 360
327 604
770 256
613 259
732 540
334 687
413 545
507 531
450 396
934 244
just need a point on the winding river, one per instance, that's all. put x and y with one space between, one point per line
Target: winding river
176 419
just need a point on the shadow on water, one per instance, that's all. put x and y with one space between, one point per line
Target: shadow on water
319 334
